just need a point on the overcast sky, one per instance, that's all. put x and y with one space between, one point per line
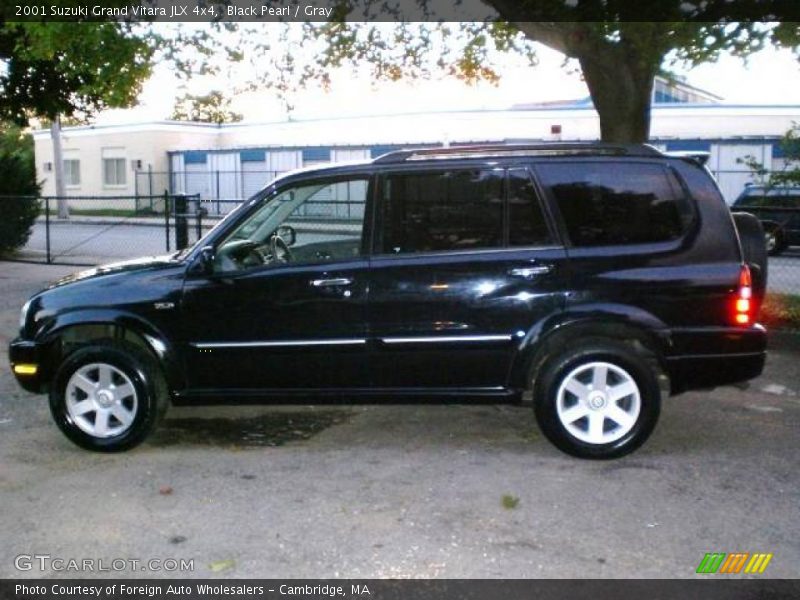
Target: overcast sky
769 77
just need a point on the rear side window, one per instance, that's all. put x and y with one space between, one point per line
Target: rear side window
450 210
612 203
526 223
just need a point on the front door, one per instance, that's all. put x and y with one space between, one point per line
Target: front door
465 264
285 305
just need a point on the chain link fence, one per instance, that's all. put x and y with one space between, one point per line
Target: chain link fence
90 230
109 229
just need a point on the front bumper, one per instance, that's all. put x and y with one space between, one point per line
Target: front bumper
709 357
25 353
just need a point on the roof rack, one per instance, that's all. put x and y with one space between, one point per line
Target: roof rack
700 157
494 150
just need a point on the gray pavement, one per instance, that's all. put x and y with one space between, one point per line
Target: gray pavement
403 491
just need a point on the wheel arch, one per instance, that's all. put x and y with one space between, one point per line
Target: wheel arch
644 332
67 332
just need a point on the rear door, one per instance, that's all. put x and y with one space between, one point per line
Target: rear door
464 264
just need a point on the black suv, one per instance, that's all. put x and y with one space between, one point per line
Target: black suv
598 277
778 209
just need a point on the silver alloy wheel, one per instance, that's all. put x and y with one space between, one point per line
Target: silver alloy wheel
101 400
598 402
771 241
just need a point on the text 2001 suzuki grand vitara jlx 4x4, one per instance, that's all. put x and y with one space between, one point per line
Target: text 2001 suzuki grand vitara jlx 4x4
597 276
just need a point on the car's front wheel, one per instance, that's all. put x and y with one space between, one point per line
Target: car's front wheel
108 397
598 400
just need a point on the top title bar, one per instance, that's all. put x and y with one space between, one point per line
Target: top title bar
175 11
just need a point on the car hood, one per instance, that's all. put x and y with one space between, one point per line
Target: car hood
149 263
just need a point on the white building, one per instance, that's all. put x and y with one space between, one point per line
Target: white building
234 161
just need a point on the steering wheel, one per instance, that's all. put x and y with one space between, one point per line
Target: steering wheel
276 245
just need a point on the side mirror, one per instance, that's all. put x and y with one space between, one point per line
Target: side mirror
206 260
287 234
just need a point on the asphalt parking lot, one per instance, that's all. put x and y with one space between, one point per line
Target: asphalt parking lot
403 491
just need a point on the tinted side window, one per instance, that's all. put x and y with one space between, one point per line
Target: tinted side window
526 223
451 210
617 203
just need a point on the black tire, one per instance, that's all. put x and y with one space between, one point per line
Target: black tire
754 249
144 374
642 369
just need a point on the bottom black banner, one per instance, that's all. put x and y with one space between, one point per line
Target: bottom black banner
382 589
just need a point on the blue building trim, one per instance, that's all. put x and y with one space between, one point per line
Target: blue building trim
689 146
252 155
319 153
376 151
194 157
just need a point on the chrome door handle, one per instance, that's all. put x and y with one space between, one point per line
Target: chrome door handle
333 282
530 272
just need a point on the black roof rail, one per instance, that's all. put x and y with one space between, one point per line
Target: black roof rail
540 149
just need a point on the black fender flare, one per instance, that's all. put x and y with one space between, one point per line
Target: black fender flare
165 351
611 320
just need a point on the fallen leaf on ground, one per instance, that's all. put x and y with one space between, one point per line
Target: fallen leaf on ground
222 565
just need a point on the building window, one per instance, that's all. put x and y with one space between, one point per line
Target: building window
72 172
114 171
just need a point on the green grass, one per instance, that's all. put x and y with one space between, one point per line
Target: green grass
509 502
781 311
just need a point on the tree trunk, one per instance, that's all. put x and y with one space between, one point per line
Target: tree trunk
621 94
58 168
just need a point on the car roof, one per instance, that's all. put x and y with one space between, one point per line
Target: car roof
475 152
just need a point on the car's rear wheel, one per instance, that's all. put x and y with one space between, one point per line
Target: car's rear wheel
598 400
108 397
774 242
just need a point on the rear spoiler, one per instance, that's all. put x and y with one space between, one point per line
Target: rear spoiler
696 156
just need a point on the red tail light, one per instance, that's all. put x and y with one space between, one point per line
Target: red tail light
743 305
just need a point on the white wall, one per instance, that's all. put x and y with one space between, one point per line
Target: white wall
150 143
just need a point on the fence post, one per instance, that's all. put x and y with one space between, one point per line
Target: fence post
198 211
166 217
150 185
217 194
47 228
181 223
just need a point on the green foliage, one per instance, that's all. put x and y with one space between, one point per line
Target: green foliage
213 107
619 45
70 69
781 311
789 174
19 205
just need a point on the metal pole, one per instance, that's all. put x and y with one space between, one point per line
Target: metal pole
136 207
166 217
217 172
199 213
181 223
47 227
150 185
